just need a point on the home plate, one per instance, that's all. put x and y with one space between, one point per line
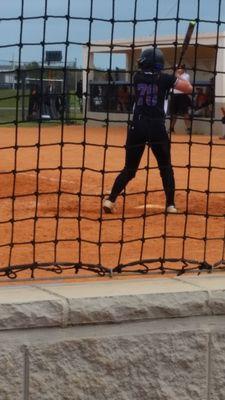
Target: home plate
151 206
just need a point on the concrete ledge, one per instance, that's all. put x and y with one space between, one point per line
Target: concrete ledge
112 301
29 307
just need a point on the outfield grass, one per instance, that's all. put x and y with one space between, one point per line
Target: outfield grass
8 97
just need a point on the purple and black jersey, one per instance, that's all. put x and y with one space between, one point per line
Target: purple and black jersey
150 92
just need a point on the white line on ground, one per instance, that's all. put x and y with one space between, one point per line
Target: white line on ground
151 206
50 179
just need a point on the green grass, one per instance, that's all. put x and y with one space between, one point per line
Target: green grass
7 98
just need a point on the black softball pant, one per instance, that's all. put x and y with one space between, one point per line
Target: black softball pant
153 133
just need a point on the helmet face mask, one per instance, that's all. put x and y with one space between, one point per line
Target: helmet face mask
151 59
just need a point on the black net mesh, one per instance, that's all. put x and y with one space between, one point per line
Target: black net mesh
66 101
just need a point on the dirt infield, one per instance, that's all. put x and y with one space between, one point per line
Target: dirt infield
50 206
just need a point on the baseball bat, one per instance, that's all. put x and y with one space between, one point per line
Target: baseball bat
190 29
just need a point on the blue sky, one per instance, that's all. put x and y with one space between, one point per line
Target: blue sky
32 32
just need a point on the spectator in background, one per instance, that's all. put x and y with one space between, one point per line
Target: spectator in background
223 120
117 74
123 98
201 102
34 104
210 92
180 102
108 76
204 100
79 94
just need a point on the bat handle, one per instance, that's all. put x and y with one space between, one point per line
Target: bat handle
180 59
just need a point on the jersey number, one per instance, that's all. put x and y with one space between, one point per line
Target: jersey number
147 94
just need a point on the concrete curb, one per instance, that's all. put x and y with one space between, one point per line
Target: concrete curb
113 301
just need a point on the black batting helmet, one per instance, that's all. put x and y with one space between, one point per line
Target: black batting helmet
151 59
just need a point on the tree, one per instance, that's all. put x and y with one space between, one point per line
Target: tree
33 69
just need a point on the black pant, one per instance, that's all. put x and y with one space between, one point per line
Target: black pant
153 133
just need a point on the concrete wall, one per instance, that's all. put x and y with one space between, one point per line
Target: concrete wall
114 339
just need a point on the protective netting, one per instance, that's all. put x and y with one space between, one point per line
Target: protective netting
63 132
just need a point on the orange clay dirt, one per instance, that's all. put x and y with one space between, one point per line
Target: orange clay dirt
30 202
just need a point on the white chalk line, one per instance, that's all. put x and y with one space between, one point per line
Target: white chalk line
46 178
150 206
72 182
33 203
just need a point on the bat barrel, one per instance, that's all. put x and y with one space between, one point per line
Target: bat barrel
186 40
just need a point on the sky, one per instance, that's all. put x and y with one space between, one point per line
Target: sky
32 29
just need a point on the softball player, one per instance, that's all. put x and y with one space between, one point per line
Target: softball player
151 86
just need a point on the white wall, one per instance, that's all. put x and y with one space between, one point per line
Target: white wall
206 62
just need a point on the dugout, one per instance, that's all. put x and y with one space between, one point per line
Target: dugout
114 96
45 99
205 62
